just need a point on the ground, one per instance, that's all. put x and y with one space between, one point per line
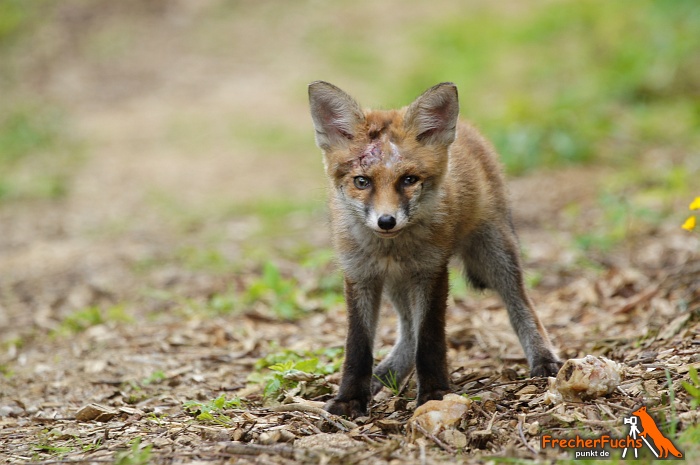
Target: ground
180 280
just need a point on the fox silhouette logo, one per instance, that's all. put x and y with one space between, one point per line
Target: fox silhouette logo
662 443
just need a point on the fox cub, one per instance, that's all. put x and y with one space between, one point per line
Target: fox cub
409 189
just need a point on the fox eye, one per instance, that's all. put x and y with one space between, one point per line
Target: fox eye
361 182
409 180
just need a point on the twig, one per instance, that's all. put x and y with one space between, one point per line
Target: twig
521 420
489 427
433 438
524 382
239 448
87 460
341 424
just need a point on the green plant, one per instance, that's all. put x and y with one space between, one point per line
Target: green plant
288 374
689 441
278 292
36 157
6 371
692 387
46 443
286 370
80 320
89 447
212 411
621 218
390 382
137 455
154 378
673 423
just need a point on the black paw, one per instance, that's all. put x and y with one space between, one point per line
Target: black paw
436 394
346 408
545 368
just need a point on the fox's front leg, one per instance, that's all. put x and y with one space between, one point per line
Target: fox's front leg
431 342
362 301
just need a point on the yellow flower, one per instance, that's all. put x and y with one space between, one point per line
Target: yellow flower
689 224
695 204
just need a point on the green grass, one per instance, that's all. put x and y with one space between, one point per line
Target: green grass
634 201
574 81
16 18
555 83
37 157
80 320
136 454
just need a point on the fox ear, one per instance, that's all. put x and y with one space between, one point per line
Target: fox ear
335 114
434 114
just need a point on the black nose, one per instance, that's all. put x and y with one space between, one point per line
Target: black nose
386 222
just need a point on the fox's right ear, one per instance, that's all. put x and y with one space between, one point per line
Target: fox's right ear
335 114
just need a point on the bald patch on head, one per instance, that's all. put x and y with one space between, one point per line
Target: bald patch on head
381 150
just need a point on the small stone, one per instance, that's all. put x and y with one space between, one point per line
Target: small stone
454 438
10 411
437 415
533 428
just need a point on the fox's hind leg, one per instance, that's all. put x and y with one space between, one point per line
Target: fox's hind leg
401 360
491 259
421 301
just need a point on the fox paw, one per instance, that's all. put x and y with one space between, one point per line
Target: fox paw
545 368
436 394
346 408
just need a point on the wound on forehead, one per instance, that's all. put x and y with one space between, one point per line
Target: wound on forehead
380 146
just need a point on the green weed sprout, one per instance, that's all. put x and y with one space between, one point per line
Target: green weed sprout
212 411
137 455
693 387
390 382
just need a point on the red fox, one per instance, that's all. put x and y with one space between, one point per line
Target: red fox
409 189
650 429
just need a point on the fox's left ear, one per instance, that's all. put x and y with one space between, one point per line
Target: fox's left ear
434 115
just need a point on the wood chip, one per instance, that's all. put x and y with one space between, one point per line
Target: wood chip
95 412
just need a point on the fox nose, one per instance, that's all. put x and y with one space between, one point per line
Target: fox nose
386 222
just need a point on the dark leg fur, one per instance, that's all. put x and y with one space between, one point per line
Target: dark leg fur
431 353
363 308
491 257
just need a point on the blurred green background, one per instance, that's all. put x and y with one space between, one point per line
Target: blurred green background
166 116
551 83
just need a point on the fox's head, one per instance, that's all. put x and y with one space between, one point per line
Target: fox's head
384 164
